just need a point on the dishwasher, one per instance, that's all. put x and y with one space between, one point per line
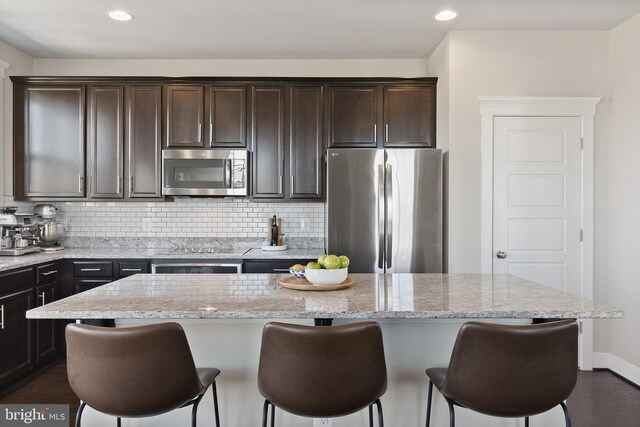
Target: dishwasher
196 266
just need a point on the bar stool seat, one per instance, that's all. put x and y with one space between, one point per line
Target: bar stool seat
509 370
322 371
135 372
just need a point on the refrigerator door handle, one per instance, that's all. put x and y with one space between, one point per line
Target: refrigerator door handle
389 203
381 230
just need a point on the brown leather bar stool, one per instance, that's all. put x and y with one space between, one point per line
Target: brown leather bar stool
322 371
509 370
136 372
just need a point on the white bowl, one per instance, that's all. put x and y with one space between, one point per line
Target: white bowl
326 277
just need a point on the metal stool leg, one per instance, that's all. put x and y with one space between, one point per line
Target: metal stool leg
79 413
567 418
119 422
452 414
194 411
380 418
215 403
265 413
273 415
371 415
429 397
526 421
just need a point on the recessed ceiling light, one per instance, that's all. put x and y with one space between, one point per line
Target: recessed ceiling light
120 15
446 15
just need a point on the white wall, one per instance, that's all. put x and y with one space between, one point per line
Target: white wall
19 64
253 68
622 240
528 63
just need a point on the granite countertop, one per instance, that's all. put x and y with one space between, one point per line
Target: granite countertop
9 263
372 296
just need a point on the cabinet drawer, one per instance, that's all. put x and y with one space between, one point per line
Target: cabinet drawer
129 268
81 285
16 280
93 268
48 272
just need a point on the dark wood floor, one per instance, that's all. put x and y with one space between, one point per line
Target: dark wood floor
600 399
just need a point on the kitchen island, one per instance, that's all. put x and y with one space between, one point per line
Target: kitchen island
420 315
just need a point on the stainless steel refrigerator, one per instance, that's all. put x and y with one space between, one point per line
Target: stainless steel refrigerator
384 209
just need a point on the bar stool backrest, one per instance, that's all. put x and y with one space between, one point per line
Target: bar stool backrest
324 371
513 370
130 372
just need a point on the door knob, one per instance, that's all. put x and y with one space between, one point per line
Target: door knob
501 254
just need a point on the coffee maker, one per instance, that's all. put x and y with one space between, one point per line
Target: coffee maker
18 233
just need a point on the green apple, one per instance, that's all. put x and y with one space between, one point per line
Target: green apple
344 261
331 262
321 259
314 266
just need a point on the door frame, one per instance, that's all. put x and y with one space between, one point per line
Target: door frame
524 106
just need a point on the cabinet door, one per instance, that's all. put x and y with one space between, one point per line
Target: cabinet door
409 116
353 116
144 118
45 329
185 113
268 137
106 141
15 334
226 116
305 142
54 152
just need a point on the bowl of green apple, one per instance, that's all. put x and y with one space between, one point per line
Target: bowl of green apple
327 270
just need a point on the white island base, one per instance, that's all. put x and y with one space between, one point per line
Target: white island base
233 346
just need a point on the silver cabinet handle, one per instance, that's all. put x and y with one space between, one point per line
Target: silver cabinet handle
199 132
501 254
48 273
280 185
81 182
130 184
291 190
2 316
90 269
389 191
211 140
118 184
375 133
280 270
42 296
381 217
386 132
131 269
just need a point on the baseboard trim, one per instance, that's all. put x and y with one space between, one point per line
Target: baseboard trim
618 366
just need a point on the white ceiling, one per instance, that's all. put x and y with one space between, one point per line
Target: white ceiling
280 29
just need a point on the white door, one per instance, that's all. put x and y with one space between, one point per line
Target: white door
537 197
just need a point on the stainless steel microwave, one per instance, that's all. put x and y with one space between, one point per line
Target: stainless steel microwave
205 173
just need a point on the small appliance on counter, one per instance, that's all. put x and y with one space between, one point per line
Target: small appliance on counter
49 231
19 233
275 237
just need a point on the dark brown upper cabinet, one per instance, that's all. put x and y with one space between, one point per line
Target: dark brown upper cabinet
144 141
268 138
49 134
226 117
353 116
305 142
105 140
409 116
184 116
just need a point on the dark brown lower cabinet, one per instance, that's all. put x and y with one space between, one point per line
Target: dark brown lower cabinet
15 334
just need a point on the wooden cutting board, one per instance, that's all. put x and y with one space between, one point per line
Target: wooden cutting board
301 284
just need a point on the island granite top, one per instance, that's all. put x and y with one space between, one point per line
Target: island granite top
372 296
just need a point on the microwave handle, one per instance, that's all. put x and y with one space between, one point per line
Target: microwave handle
227 173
